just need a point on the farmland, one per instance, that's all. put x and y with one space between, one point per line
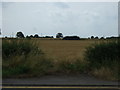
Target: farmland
64 49
36 57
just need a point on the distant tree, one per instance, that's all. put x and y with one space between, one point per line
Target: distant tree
52 37
59 35
92 37
102 38
88 37
48 37
96 37
0 31
71 38
20 35
31 36
36 36
27 36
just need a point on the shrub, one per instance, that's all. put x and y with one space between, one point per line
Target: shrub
104 55
18 47
23 57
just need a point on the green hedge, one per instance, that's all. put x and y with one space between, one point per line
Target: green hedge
104 55
18 47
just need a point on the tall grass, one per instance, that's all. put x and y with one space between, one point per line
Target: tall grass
104 57
18 47
23 57
69 67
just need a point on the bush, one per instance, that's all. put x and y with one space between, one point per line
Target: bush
18 47
104 55
23 57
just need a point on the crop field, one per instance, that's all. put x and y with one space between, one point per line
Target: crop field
64 49
36 57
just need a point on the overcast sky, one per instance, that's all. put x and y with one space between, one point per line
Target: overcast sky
70 18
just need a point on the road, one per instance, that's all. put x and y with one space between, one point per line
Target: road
60 82
60 88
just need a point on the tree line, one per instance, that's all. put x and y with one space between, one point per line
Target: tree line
59 35
21 35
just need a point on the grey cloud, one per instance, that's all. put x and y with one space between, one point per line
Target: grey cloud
0 14
61 5
7 4
119 18
69 18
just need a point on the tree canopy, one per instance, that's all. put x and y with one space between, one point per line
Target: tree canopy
59 35
20 35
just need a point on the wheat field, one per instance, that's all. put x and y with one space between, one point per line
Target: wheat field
64 49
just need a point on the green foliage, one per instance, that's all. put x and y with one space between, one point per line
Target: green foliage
104 56
18 47
59 35
33 65
76 66
23 57
20 35
14 71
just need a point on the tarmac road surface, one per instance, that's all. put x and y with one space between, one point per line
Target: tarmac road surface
60 82
60 88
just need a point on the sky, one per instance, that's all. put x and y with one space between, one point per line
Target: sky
0 15
83 19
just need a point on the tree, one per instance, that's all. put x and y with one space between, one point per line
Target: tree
0 31
96 37
71 38
102 38
31 36
27 36
59 35
48 37
92 37
36 36
20 35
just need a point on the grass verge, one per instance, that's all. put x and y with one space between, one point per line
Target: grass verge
22 57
